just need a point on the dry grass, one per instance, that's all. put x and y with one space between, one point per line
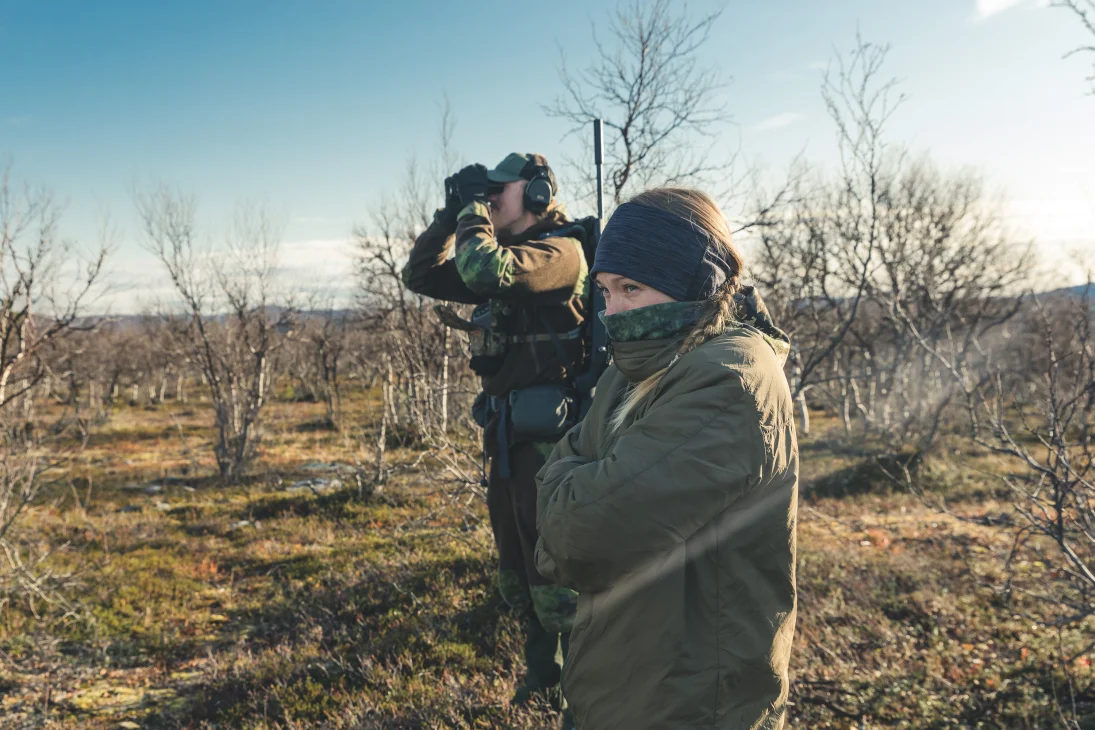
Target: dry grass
254 607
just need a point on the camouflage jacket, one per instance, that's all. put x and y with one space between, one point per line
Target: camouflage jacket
540 278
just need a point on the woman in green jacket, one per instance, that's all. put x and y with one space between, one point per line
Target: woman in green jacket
671 508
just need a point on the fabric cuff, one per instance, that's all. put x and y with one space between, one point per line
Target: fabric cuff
474 208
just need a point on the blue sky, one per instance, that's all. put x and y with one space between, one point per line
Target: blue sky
315 107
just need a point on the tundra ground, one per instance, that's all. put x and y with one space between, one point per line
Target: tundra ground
260 606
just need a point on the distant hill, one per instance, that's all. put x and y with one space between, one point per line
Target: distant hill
133 321
125 321
1070 291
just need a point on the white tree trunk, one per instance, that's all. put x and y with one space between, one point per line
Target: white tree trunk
445 382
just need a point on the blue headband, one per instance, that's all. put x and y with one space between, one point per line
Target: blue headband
661 250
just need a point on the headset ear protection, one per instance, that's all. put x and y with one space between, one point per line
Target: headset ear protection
540 189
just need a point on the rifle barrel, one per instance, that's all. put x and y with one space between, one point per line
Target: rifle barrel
599 160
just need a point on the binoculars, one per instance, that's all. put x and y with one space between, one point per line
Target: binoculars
471 184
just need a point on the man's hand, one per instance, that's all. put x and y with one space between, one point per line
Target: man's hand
452 203
452 196
471 184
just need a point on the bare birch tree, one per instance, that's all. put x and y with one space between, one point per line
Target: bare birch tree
419 364
45 286
410 339
890 252
1033 403
317 359
818 252
663 112
233 326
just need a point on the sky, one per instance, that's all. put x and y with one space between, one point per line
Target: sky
314 108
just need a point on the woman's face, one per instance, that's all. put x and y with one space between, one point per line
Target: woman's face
622 294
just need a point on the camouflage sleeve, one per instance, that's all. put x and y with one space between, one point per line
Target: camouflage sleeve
431 271
548 266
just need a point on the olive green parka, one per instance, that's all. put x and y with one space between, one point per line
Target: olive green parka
678 531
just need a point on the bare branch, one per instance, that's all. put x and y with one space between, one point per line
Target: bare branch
661 110
1084 10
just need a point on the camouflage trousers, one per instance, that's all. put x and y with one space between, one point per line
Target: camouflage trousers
546 609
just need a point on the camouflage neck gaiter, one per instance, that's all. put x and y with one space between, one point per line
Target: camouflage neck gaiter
654 322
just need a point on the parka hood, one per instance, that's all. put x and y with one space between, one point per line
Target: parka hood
754 314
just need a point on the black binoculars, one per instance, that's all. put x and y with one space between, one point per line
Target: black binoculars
471 184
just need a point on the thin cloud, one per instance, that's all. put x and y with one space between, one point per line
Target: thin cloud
324 268
317 271
817 65
318 264
336 252
778 121
988 8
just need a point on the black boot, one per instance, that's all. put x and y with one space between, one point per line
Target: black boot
543 665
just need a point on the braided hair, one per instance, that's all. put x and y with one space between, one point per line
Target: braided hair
721 308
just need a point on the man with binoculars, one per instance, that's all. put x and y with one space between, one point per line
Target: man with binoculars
504 243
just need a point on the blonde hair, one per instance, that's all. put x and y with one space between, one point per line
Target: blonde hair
704 213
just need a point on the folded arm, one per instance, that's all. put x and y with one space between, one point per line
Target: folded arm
692 455
431 271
